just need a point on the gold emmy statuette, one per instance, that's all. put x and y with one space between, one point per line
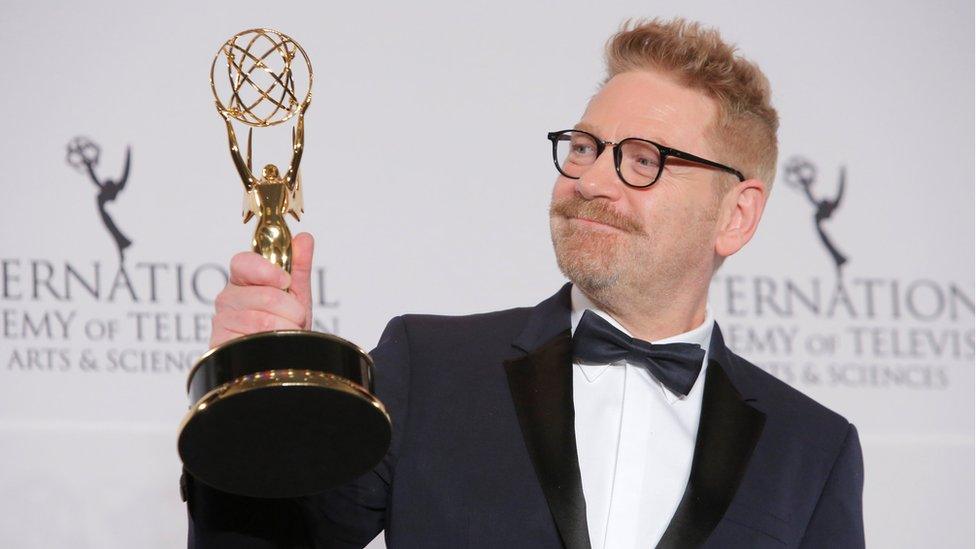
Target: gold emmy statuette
283 413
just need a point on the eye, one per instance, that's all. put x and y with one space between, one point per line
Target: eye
582 149
641 160
574 152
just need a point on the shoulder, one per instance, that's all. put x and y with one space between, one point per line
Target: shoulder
428 331
503 325
790 409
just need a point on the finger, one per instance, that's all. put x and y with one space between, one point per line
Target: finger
251 269
252 322
220 335
303 248
261 298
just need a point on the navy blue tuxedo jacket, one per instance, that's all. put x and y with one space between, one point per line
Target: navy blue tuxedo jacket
484 453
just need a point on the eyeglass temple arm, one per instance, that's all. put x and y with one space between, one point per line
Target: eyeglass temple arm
687 156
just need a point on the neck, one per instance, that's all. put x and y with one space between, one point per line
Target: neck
653 314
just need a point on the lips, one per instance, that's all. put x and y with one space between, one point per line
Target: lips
589 221
593 214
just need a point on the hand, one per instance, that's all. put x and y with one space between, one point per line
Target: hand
256 300
305 104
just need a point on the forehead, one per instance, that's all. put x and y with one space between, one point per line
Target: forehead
651 105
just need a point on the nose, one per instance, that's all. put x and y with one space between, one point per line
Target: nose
600 180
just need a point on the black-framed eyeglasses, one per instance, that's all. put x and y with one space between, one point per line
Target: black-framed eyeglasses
638 162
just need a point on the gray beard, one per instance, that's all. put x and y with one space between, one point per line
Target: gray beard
599 277
590 278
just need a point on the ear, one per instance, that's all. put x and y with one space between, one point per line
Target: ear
742 207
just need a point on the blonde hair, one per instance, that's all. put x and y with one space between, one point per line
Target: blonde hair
744 133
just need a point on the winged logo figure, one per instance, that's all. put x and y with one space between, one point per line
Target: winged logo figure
272 195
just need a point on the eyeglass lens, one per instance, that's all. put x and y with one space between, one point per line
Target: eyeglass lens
640 162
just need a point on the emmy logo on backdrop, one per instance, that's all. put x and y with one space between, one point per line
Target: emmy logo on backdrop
83 155
801 174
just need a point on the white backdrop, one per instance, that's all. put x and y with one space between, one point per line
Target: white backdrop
427 179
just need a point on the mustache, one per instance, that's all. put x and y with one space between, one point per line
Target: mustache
596 210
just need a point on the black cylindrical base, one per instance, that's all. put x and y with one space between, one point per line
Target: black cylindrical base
283 414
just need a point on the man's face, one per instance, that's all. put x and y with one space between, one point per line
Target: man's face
613 239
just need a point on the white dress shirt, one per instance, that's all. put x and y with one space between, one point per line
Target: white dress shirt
635 439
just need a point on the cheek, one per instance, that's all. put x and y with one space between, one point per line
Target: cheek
669 219
563 187
647 207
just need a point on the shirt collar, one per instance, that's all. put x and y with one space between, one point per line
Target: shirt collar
700 335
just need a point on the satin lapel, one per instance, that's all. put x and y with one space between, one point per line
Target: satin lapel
727 434
541 383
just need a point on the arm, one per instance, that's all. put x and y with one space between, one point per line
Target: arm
806 191
352 515
348 516
840 191
838 519
125 169
235 153
92 174
218 520
298 145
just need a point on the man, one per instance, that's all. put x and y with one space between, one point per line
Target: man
559 425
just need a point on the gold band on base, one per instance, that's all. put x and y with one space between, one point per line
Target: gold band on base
281 378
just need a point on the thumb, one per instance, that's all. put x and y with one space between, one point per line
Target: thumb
302 246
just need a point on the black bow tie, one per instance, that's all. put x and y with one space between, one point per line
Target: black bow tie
675 365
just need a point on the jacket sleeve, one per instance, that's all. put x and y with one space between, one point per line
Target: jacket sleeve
838 519
348 516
